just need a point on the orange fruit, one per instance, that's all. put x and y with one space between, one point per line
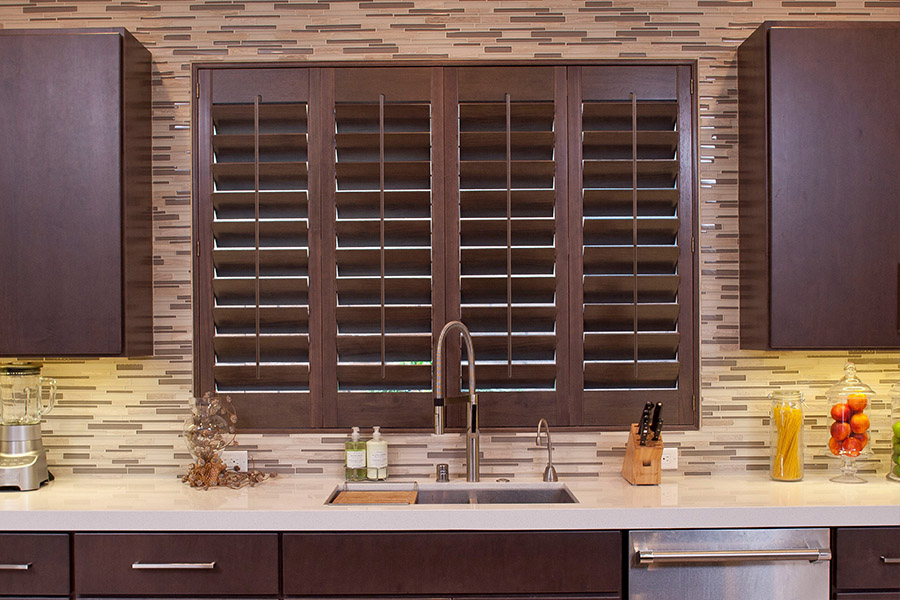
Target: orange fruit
840 431
851 446
859 423
835 446
862 437
841 412
857 402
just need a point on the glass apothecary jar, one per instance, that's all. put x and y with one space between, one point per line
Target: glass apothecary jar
786 435
894 432
848 400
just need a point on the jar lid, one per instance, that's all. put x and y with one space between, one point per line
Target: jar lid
21 368
850 383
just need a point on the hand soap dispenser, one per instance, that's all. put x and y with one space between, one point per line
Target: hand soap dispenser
377 456
355 457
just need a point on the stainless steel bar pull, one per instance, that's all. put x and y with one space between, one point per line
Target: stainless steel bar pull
19 567
168 566
649 557
888 560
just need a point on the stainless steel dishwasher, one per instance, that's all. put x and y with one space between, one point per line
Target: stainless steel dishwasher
740 564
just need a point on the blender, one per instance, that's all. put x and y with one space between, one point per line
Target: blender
23 459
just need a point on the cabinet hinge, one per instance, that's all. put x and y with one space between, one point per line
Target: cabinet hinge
694 402
198 248
692 245
692 86
197 90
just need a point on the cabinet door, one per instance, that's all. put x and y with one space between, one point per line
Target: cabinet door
34 564
866 558
448 563
834 134
153 564
73 171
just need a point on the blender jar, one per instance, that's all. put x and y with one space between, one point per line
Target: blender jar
21 393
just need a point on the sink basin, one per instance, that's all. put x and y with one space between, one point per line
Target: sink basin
530 495
478 493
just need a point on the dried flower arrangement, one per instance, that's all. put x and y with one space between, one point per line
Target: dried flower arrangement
207 432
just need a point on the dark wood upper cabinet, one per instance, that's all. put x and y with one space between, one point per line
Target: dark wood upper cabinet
819 211
75 194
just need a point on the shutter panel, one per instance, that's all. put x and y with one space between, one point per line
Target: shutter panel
382 243
635 242
511 293
259 275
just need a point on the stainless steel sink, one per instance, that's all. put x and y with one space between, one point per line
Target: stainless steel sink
479 493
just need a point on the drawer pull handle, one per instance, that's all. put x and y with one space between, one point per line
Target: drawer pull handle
890 561
649 557
12 567
169 566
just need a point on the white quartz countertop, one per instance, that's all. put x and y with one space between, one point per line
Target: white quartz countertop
297 503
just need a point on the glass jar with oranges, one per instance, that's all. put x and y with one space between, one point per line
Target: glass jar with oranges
847 401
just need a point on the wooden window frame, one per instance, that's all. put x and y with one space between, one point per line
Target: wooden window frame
317 410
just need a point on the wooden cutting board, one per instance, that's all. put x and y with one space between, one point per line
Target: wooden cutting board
376 497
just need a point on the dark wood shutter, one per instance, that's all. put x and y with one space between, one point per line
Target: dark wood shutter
379 310
634 239
510 130
254 217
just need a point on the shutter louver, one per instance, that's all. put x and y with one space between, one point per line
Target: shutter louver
509 278
383 195
260 229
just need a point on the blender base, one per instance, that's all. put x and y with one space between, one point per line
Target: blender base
23 459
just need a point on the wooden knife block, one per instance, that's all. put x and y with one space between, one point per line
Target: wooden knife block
642 463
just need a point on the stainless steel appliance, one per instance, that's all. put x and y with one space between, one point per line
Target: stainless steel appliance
711 564
23 459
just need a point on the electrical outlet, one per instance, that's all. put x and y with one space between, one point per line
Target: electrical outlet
669 459
235 458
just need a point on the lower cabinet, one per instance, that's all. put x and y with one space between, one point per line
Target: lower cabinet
866 563
34 564
443 565
453 563
176 564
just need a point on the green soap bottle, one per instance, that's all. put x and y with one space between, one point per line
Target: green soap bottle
355 457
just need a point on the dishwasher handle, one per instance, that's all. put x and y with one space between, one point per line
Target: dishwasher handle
650 557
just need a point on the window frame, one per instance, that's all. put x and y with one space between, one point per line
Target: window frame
316 413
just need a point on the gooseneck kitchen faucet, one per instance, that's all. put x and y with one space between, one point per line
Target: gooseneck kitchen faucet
473 462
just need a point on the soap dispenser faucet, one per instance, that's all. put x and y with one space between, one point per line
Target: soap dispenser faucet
473 462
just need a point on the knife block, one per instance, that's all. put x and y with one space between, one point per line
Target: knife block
642 463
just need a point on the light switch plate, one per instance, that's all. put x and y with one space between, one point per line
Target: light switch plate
669 460
235 458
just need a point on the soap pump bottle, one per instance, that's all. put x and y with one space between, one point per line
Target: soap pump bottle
355 457
377 456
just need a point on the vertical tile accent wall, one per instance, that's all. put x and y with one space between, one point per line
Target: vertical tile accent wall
125 416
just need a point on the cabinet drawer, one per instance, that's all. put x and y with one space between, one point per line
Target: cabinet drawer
34 564
860 555
444 563
176 564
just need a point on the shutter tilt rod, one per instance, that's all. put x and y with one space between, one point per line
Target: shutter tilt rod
381 218
256 102
508 236
634 226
